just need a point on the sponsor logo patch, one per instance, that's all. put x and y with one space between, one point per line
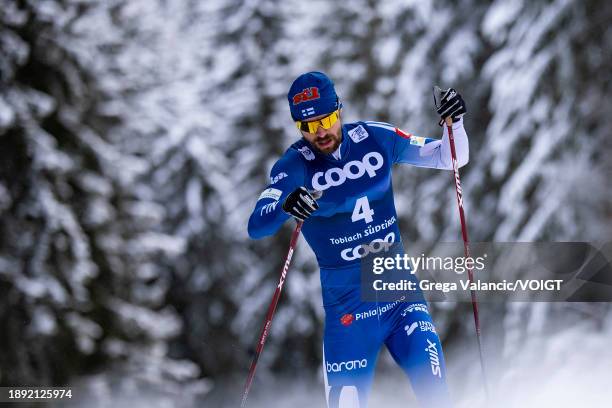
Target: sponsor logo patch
268 208
423 325
358 134
307 153
377 245
278 177
417 141
352 170
415 307
427 326
306 95
378 311
346 365
411 328
434 358
272 193
347 319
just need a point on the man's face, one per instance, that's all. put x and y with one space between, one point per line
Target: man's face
325 140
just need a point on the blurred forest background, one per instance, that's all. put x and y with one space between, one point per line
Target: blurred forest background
135 137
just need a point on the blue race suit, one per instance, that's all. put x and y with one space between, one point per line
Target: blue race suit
356 211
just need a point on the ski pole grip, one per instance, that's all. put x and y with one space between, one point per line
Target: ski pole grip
316 194
449 121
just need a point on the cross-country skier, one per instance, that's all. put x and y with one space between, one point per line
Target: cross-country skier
351 164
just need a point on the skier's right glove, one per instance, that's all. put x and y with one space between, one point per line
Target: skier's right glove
448 104
300 204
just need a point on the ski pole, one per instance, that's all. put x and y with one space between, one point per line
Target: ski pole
466 245
271 309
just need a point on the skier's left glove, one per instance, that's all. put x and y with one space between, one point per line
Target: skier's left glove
449 104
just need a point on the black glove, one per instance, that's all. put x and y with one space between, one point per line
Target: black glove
300 204
449 103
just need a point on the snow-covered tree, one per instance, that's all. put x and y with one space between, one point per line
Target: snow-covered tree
79 252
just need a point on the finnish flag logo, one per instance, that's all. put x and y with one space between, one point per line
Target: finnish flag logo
308 112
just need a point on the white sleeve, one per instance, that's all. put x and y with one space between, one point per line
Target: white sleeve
440 152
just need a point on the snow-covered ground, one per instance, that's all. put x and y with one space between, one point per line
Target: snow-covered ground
530 362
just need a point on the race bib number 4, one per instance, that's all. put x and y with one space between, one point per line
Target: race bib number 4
362 210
